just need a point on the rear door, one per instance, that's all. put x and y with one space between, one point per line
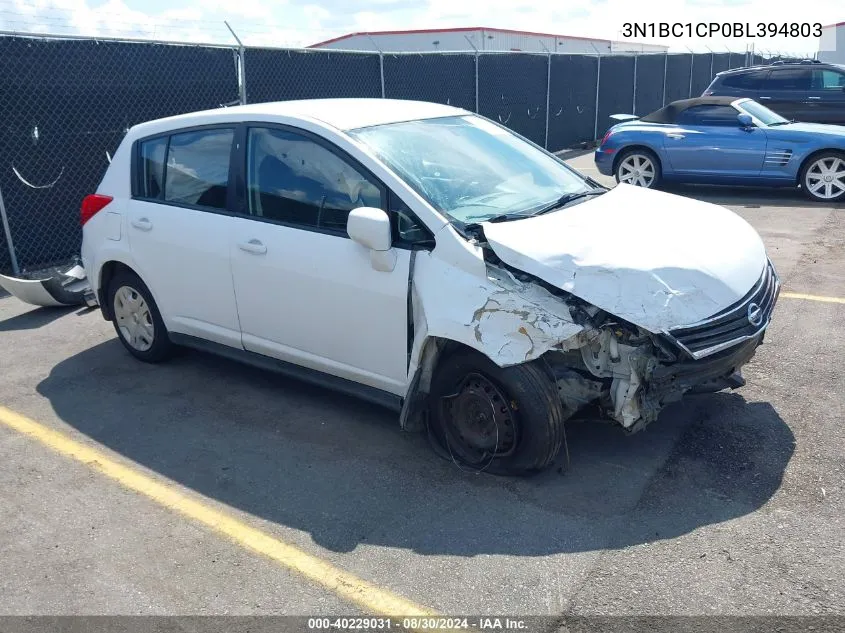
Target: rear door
179 227
825 102
708 141
785 91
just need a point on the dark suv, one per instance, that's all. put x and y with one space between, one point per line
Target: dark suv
803 91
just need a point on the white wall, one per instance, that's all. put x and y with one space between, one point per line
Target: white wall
484 41
832 44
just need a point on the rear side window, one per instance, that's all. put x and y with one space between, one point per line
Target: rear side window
197 172
152 168
828 80
745 81
789 79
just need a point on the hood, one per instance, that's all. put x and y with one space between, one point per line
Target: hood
654 259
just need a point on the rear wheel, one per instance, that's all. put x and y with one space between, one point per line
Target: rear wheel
638 167
823 177
136 318
499 420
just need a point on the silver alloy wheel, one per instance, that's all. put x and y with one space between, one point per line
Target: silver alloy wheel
825 178
637 170
134 319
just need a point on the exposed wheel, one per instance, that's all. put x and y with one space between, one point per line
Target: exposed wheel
638 167
136 318
499 420
823 177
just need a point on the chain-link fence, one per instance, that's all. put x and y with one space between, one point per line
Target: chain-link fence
65 104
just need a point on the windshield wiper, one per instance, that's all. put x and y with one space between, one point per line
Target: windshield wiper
567 198
781 123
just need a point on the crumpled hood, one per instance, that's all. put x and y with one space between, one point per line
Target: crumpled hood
654 259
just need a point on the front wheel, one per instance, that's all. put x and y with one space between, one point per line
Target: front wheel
823 177
506 421
640 168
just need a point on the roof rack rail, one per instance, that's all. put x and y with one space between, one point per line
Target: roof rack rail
781 62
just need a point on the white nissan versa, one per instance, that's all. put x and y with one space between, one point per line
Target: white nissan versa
426 258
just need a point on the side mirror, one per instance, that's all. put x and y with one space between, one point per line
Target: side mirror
370 227
745 120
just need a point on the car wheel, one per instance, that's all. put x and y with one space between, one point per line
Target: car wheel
137 320
640 168
823 177
506 421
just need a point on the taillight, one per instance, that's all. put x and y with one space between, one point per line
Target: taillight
91 205
606 136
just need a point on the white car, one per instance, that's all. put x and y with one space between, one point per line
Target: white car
426 258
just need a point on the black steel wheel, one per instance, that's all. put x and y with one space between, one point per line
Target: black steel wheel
502 420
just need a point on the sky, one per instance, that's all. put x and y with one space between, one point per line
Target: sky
293 23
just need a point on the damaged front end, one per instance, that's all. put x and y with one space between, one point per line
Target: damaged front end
602 363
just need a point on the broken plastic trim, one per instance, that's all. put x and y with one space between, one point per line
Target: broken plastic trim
65 285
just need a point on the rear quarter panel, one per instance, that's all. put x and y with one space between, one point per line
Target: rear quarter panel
637 134
104 236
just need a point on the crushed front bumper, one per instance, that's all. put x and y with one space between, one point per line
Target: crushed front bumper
668 383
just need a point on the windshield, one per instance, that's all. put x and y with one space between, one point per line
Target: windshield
761 113
471 169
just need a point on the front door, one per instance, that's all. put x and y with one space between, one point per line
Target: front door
306 293
708 141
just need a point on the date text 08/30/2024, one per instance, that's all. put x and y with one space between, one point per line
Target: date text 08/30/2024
746 30
420 623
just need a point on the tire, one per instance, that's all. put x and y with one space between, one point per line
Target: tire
152 343
629 160
528 426
813 175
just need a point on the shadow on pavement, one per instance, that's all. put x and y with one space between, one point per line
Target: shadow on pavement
35 319
339 469
749 197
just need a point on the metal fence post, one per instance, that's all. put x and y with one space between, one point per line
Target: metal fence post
634 104
548 95
475 48
598 84
665 72
381 71
15 269
241 65
548 89
691 66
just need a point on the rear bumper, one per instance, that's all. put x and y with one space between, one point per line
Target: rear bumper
604 161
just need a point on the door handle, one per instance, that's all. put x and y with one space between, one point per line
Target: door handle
676 136
254 246
142 224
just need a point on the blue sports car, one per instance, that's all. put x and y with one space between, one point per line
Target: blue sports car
725 140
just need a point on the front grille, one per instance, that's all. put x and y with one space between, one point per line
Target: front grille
734 324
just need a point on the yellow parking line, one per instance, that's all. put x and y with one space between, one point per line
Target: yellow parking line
798 295
368 596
